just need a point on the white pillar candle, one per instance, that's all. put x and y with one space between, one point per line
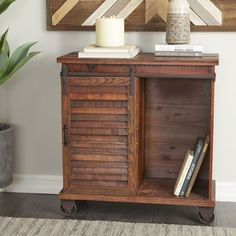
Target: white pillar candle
110 32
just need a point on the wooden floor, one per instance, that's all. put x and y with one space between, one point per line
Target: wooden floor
48 206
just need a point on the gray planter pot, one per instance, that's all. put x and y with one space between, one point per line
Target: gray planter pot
6 155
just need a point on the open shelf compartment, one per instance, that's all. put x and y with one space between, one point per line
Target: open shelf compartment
177 111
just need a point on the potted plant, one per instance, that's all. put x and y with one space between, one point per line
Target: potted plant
9 64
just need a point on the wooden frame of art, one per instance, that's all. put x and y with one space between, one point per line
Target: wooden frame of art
140 15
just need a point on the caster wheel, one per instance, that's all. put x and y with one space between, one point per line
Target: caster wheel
206 216
69 208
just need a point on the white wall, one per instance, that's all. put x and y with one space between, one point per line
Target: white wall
32 98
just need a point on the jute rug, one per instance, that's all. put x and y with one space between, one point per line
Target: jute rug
30 227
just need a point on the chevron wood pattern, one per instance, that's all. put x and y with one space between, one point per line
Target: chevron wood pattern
159 7
129 8
154 7
99 12
63 10
140 15
207 11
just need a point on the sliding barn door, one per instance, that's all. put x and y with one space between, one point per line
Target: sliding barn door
100 135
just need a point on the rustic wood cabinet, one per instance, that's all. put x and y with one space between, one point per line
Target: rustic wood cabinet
127 124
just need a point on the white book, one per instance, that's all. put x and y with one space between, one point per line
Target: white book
178 48
178 54
183 172
132 54
94 48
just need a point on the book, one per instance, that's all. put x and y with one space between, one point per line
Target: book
94 48
199 163
129 55
178 48
178 54
183 172
196 154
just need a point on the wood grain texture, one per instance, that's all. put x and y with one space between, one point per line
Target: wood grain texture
153 191
98 131
156 7
134 129
106 66
207 11
63 10
99 12
127 136
129 8
175 116
65 122
116 8
136 20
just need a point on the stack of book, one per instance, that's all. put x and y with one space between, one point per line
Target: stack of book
92 51
185 50
191 167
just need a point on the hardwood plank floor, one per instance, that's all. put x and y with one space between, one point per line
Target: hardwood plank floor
48 206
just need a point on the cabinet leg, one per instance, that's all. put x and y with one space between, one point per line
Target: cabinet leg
206 215
69 207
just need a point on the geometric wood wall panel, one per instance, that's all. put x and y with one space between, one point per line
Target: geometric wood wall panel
73 14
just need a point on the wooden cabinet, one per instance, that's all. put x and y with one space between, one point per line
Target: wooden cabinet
127 124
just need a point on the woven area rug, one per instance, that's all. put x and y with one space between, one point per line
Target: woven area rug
29 226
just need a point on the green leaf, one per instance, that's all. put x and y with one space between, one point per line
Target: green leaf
22 62
4 61
4 44
18 55
4 4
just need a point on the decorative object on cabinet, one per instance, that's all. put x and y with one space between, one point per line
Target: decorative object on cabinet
139 15
110 32
190 50
178 22
127 125
117 54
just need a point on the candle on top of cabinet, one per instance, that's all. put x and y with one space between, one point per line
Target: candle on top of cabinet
110 32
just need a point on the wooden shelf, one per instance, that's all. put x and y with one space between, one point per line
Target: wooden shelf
153 191
163 189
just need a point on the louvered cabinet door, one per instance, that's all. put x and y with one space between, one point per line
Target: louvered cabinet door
101 139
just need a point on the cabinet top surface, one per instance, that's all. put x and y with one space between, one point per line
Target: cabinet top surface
143 59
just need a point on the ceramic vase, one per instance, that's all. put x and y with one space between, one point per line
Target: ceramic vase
6 155
178 22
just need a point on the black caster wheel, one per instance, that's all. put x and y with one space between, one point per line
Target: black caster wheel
69 208
206 215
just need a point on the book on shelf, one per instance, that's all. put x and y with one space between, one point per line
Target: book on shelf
198 146
183 172
117 54
178 48
198 165
94 48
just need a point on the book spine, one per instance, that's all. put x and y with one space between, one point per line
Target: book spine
197 168
183 174
109 55
176 54
197 151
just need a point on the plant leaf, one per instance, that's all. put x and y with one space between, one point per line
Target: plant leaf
18 55
4 4
4 44
4 61
24 60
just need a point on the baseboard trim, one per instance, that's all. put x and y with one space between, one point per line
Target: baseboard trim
45 184
52 184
